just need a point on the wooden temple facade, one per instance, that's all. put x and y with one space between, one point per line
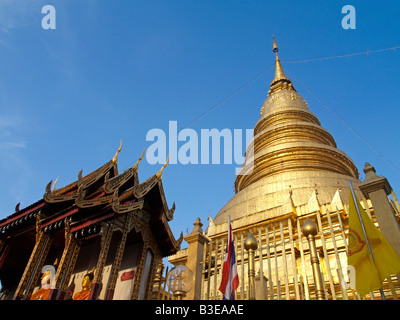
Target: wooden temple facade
106 222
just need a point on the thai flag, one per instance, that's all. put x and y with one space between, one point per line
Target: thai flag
230 278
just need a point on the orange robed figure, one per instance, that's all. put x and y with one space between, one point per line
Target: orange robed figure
86 285
44 291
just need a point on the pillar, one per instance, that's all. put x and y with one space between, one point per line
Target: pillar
377 189
33 267
251 246
4 250
310 230
65 269
107 232
261 287
117 263
196 240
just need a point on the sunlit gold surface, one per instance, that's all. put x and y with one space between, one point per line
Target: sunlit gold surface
292 151
309 227
298 173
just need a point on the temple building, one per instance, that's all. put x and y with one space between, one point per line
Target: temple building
105 235
102 236
297 173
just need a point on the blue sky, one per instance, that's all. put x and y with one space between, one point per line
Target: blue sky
114 70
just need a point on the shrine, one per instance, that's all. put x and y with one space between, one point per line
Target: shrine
102 237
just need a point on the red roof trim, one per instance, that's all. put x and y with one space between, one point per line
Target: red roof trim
23 213
63 216
90 222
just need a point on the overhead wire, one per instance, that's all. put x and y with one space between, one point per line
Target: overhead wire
343 122
348 55
241 88
249 82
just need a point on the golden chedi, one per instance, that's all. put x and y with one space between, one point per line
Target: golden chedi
293 174
291 152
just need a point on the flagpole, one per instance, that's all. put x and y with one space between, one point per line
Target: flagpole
363 228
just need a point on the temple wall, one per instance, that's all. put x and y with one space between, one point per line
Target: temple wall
123 289
87 259
283 254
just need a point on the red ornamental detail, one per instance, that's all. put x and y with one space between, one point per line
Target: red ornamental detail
356 244
128 275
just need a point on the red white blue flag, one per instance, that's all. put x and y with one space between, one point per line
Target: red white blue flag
230 278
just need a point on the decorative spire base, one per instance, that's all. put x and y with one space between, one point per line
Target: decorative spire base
280 80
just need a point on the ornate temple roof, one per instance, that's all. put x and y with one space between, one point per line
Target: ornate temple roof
99 196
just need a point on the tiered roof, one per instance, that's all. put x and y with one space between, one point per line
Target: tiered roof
99 196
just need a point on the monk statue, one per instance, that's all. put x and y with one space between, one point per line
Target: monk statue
44 291
86 285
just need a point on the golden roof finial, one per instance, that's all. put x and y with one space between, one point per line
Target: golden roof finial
136 165
159 173
279 74
115 159
274 45
54 185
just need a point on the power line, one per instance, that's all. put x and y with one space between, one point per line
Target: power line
245 85
348 55
344 122
241 88
211 109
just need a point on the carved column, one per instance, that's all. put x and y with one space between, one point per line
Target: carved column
2 245
34 267
148 245
139 271
106 236
117 262
65 269
158 281
310 230
377 189
196 240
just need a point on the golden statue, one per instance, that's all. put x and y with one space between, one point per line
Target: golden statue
46 279
86 285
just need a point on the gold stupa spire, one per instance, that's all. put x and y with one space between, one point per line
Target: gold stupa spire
280 80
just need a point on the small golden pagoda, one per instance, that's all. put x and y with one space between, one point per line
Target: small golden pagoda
297 173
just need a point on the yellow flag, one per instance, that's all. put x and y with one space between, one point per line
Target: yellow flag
369 274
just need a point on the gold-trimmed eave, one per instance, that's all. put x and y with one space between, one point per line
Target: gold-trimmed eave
82 203
176 243
129 204
145 187
110 185
114 183
134 200
70 192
